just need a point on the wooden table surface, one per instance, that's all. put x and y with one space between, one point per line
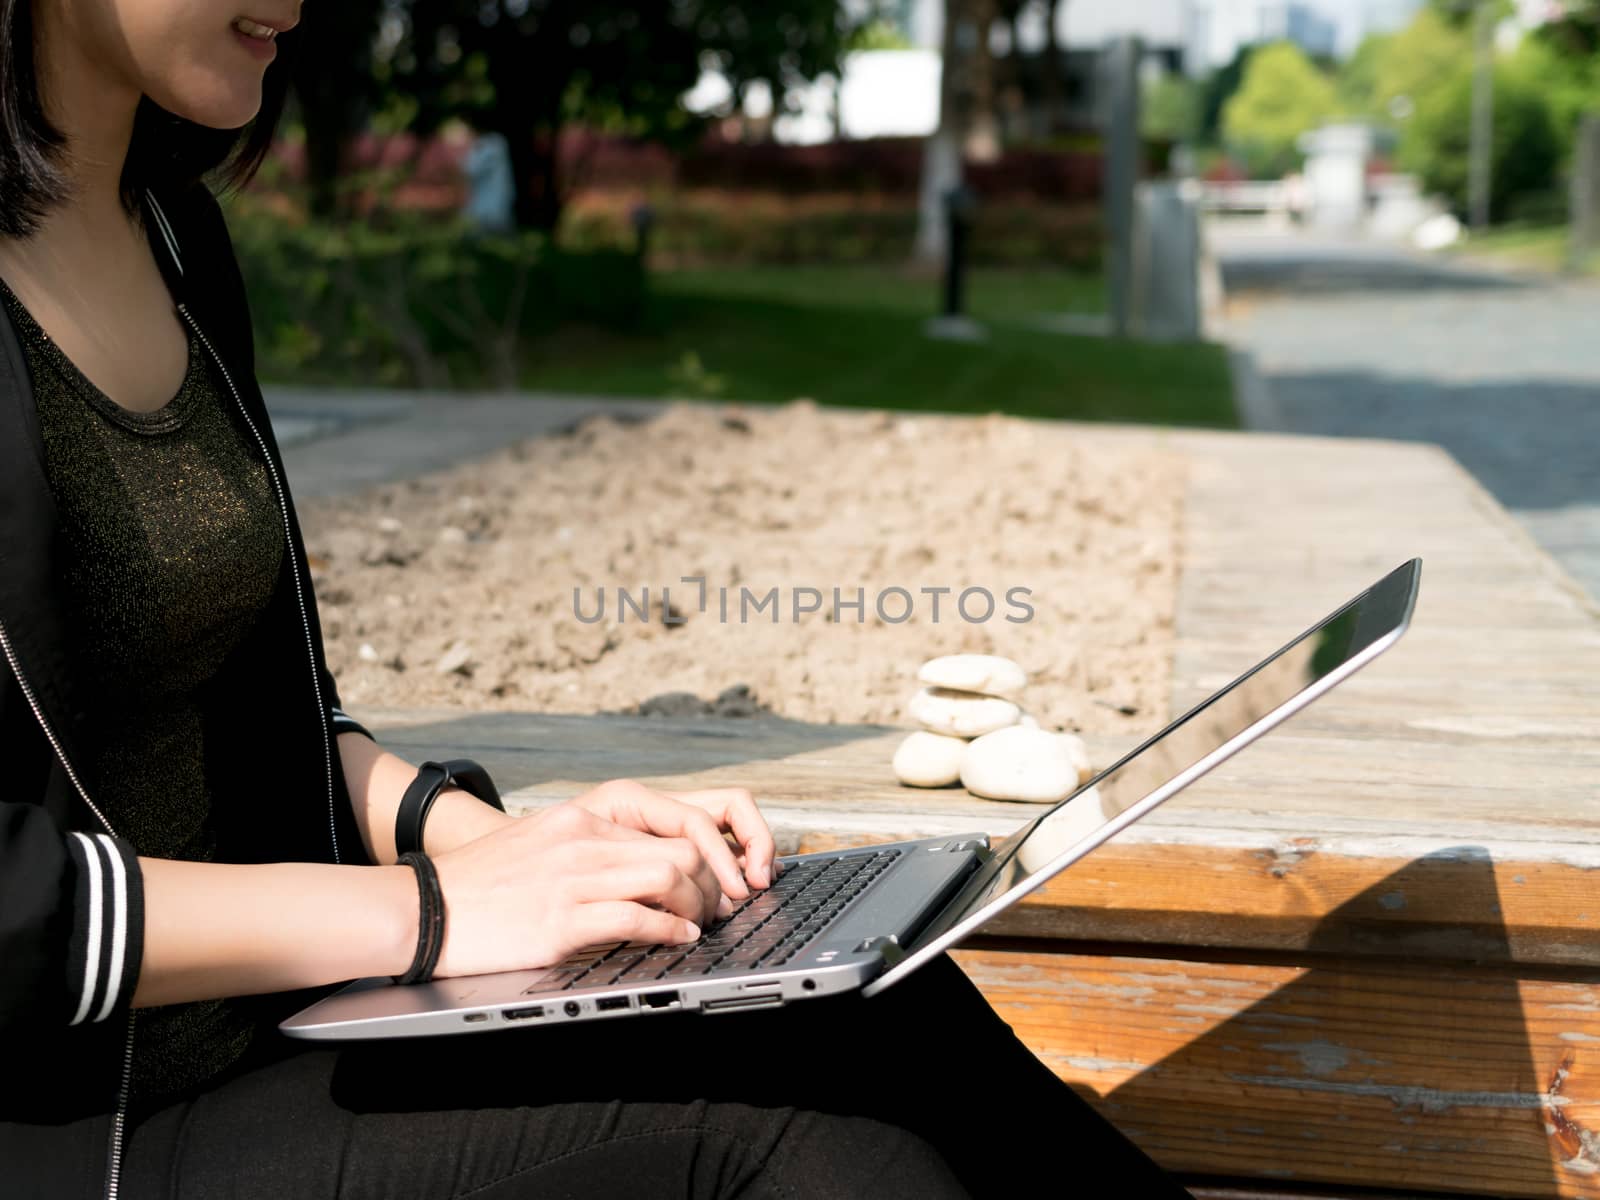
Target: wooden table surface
1364 951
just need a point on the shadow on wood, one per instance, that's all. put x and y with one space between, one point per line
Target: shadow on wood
1366 1071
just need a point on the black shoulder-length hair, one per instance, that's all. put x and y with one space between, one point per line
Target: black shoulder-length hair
166 150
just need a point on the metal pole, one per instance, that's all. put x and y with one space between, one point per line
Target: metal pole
959 204
1121 66
1480 165
1584 238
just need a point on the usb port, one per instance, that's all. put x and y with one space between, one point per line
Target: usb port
659 1000
611 1003
470 1018
523 1014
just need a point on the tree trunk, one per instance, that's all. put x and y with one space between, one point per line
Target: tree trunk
1053 78
982 140
330 84
530 77
941 153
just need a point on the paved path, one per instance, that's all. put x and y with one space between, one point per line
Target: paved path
335 442
1504 372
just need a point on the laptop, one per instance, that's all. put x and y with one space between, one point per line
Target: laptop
864 919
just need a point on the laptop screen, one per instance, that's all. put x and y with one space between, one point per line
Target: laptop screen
1378 613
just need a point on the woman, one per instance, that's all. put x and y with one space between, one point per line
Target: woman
194 835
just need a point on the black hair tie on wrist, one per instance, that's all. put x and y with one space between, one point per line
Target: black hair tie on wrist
430 927
432 778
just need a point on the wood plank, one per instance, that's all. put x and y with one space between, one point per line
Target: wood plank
1344 1072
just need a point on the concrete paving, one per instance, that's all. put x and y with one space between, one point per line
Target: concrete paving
339 441
1351 339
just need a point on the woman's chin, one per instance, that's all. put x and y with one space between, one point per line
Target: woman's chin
217 107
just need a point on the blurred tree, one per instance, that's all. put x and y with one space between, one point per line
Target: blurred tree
881 34
1357 78
607 64
1283 95
1565 55
1217 89
1423 57
1171 108
1525 150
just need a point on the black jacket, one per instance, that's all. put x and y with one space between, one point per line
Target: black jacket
71 918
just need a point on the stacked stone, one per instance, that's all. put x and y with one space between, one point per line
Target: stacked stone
975 731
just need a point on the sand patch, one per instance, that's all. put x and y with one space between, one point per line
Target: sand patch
822 539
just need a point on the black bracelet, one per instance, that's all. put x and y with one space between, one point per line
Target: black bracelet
430 925
432 778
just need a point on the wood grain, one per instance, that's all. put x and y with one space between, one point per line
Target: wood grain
1345 1072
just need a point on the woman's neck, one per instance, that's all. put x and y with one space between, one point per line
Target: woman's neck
90 234
87 102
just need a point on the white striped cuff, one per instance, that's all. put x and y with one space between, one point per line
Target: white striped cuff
343 722
108 933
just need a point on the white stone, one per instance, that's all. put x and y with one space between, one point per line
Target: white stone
1079 753
963 714
929 759
456 658
367 652
1020 764
1028 721
986 674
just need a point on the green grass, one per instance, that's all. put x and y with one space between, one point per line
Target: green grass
1525 247
854 336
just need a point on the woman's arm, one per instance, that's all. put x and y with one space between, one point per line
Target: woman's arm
377 780
526 895
217 929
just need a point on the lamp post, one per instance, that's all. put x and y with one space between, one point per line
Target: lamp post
1481 147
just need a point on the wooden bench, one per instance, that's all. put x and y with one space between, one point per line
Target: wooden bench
1365 952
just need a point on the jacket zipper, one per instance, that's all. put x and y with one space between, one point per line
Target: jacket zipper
294 565
119 1119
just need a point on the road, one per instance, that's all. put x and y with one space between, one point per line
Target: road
1354 340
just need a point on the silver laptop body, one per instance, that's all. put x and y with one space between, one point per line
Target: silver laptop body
884 909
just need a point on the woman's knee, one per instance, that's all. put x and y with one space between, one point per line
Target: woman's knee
822 1154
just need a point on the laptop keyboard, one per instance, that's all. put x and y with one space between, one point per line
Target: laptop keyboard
766 930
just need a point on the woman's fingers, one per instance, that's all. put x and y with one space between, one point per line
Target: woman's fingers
734 810
633 805
657 883
606 921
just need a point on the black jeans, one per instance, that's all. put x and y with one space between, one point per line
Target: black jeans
922 1091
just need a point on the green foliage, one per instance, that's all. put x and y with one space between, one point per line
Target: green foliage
1217 89
420 302
1526 147
1283 95
698 229
854 336
615 65
879 35
1171 108
526 68
1415 63
1568 74
1357 79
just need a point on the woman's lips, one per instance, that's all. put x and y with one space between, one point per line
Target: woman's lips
264 49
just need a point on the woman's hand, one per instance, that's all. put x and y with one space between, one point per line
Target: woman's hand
533 892
703 817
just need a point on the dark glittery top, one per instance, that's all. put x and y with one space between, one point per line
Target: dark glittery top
172 545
